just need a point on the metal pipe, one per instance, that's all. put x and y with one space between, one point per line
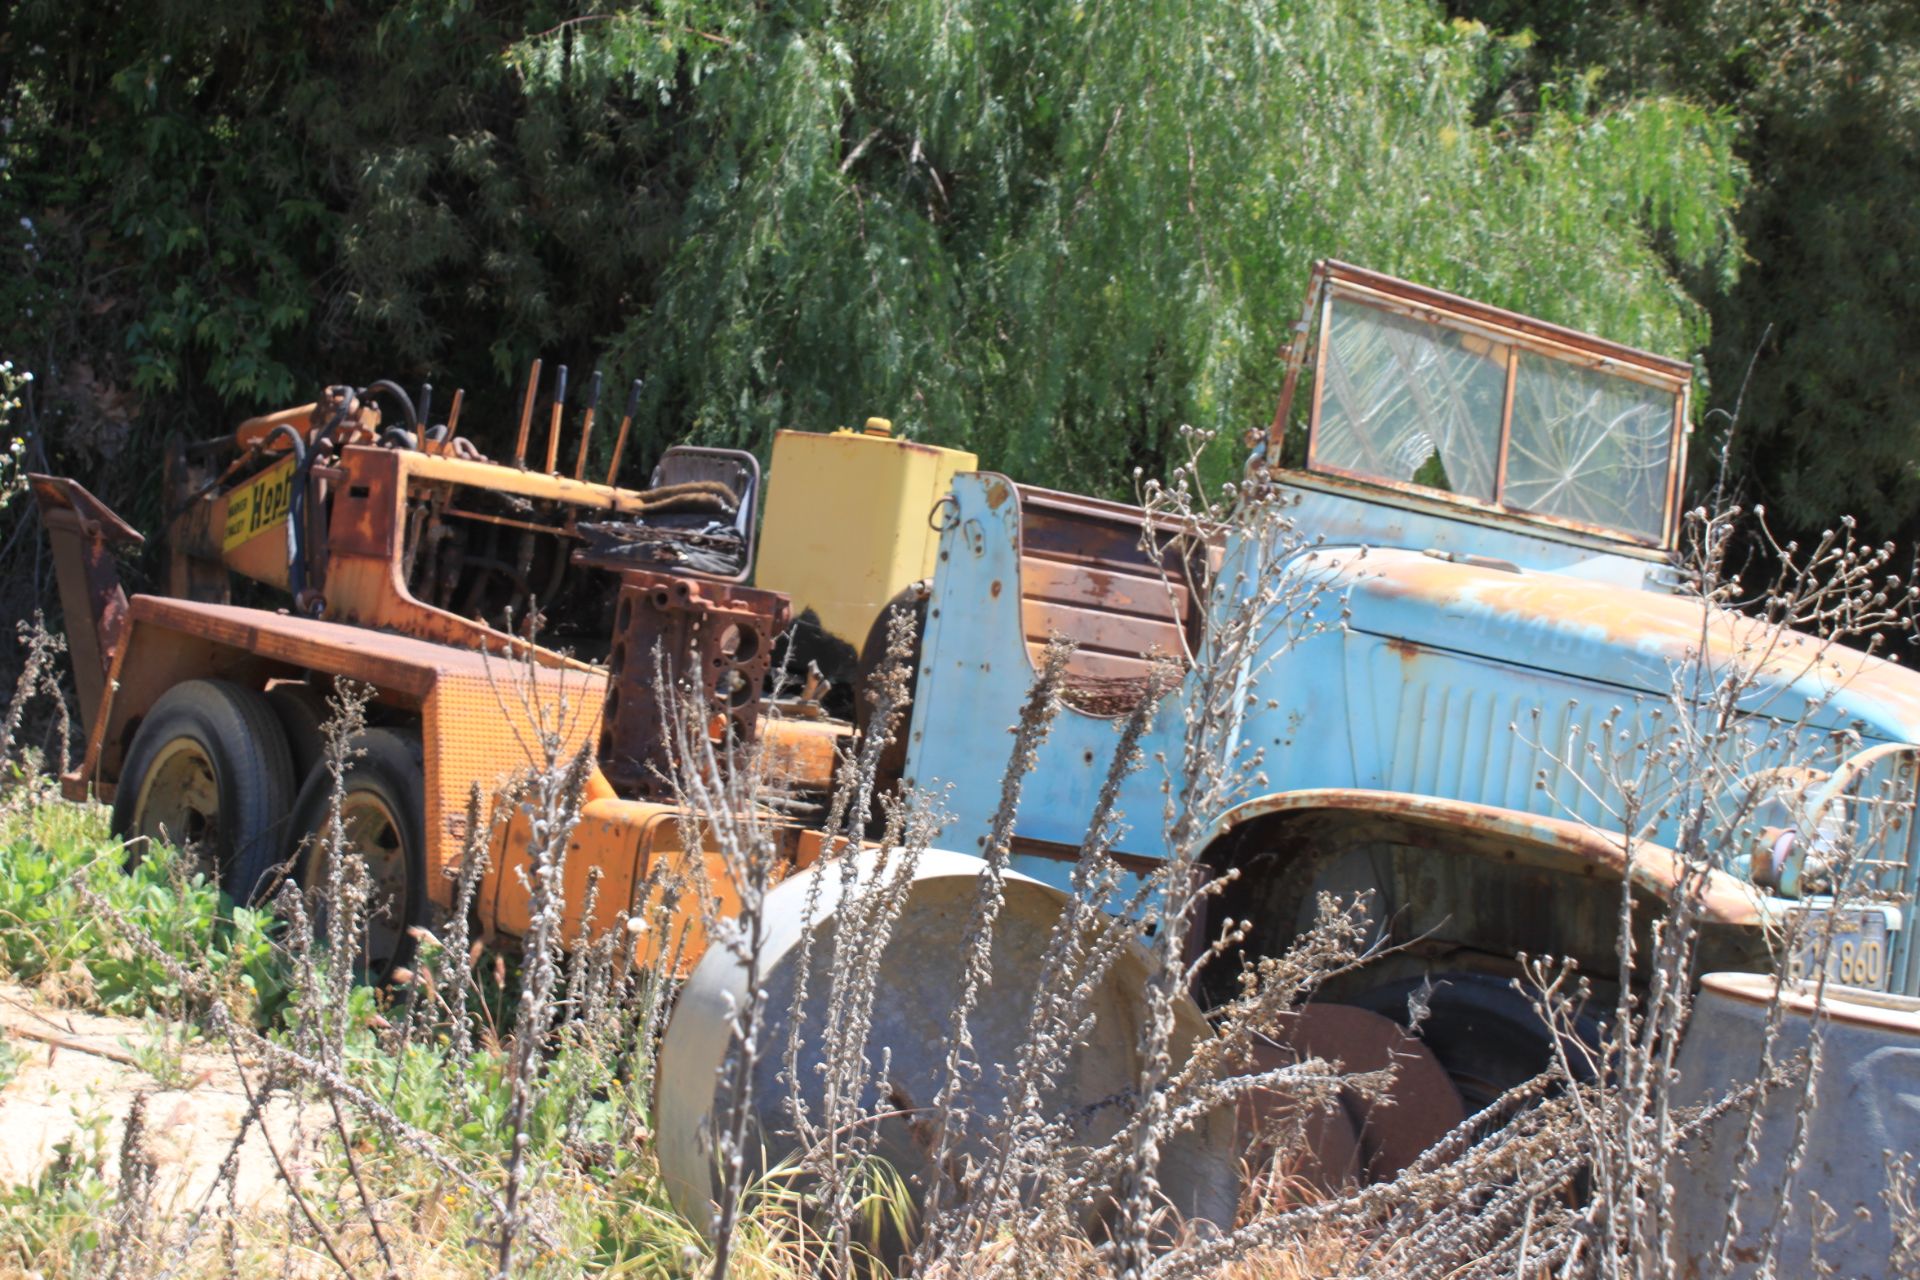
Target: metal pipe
453 414
296 509
626 421
526 417
586 430
553 423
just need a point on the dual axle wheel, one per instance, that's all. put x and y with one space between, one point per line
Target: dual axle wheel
237 776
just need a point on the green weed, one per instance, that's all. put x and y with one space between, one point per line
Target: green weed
48 936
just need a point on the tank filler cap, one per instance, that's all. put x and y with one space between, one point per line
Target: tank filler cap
882 427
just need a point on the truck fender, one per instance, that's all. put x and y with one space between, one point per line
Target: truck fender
1488 831
1451 877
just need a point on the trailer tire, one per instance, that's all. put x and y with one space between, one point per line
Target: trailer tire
302 714
209 766
383 820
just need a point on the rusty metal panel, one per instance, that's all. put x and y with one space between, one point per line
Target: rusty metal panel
366 508
1086 574
482 722
84 533
802 754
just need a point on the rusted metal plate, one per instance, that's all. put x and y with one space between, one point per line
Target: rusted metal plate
1631 639
1086 574
84 532
802 753
366 516
1294 1152
482 723
1409 1115
1097 631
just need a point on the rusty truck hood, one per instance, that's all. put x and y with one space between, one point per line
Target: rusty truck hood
1634 640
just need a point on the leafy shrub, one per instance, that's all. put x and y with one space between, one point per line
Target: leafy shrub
49 935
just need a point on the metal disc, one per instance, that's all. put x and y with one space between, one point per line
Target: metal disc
918 982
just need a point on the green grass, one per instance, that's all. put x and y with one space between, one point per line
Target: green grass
50 937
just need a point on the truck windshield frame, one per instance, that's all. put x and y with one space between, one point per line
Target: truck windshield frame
1428 393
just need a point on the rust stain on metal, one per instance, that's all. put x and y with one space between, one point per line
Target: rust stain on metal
84 532
1405 650
1660 627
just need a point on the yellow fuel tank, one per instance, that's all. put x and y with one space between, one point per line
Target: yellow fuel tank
846 527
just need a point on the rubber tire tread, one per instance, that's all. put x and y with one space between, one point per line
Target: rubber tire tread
253 767
391 763
302 712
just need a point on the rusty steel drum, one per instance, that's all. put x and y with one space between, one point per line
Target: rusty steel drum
1866 1104
919 982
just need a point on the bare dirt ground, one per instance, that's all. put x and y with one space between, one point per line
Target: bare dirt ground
82 1071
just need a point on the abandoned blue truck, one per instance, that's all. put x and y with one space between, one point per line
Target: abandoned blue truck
1492 503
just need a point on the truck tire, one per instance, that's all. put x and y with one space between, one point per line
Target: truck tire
209 769
382 822
1485 1034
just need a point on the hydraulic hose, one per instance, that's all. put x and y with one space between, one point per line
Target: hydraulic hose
296 510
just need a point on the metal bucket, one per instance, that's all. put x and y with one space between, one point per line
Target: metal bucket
1867 1103
920 976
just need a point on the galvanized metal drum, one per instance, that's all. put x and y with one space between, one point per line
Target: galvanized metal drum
1867 1104
918 984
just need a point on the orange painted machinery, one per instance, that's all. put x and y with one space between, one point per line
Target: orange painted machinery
504 616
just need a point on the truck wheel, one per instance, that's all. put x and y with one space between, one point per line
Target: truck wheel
209 770
1485 1034
382 823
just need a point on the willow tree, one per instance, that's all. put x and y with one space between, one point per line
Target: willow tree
1048 231
1054 232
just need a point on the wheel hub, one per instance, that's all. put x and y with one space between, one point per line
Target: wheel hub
180 798
371 835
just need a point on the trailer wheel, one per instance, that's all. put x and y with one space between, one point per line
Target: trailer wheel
302 714
383 824
209 769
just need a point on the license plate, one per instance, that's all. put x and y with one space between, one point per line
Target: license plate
1854 942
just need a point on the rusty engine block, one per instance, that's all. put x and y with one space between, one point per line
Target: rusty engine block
716 636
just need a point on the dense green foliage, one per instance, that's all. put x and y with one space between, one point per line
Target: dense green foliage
1826 98
1051 232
